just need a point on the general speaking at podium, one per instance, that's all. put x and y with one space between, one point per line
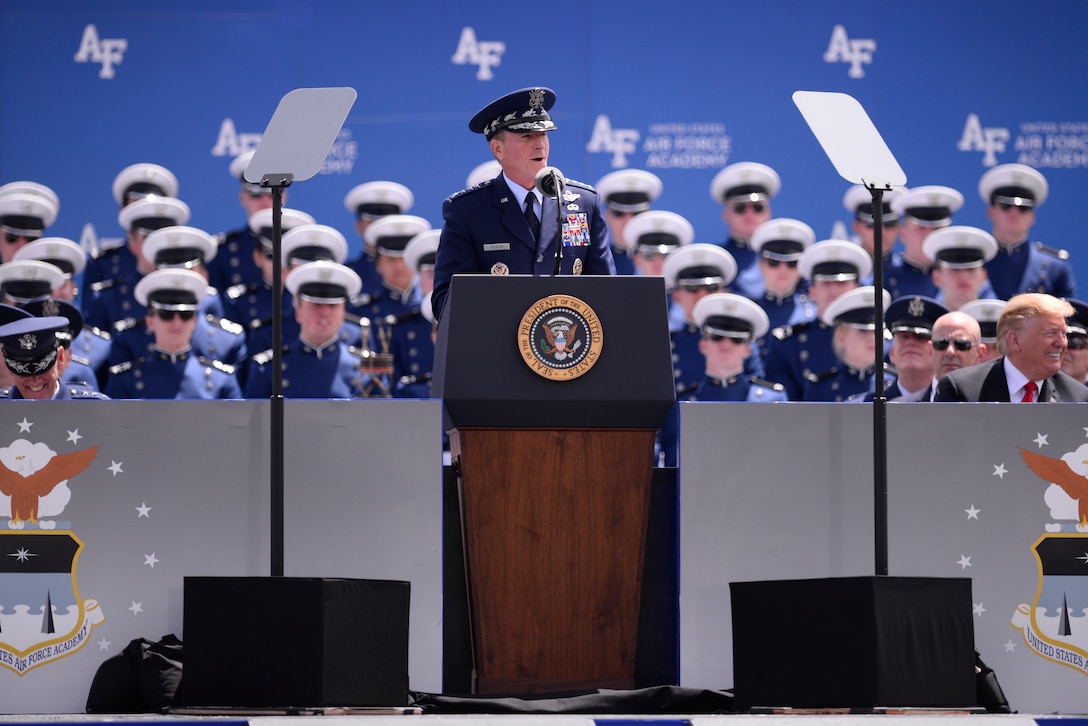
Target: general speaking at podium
511 224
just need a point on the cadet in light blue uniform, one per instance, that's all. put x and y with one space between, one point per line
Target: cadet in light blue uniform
851 317
745 190
111 304
779 244
34 354
108 266
1012 192
369 202
959 255
832 267
729 324
26 210
924 209
487 229
626 193
214 337
316 364
233 263
171 368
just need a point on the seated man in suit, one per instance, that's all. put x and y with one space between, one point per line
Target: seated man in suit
1031 335
955 342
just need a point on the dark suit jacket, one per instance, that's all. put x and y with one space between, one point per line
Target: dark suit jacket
484 231
987 382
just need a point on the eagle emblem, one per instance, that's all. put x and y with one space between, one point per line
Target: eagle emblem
31 484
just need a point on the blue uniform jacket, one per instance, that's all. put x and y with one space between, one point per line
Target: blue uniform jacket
1031 267
331 371
181 376
485 231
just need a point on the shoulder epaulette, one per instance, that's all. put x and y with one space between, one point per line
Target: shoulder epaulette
265 356
217 364
686 389
820 377
122 367
125 324
1059 253
260 322
482 185
788 331
228 325
212 290
410 379
81 360
236 291
757 381
97 332
582 184
103 285
362 298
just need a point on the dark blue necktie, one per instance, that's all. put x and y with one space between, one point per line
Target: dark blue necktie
530 216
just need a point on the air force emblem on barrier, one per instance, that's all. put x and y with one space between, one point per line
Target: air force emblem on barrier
560 337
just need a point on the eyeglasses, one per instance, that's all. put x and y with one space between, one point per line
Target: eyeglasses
771 262
962 344
15 236
1076 342
168 315
622 214
715 338
1005 206
740 207
699 286
650 255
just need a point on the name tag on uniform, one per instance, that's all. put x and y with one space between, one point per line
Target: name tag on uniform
497 247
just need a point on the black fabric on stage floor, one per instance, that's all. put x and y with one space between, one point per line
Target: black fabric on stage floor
645 701
657 657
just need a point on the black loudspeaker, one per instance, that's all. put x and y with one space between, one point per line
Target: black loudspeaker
283 642
854 642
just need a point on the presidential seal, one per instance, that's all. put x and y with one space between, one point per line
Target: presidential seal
560 337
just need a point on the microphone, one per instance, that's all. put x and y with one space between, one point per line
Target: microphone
549 181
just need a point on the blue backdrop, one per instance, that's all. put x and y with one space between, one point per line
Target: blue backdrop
680 88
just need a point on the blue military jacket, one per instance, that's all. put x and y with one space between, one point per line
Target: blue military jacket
328 371
163 375
1031 267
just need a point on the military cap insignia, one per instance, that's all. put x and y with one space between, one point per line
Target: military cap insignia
28 341
578 266
536 101
500 268
916 307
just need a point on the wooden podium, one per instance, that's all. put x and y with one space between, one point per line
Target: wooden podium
554 467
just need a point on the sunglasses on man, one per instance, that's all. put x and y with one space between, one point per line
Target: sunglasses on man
962 344
742 207
168 315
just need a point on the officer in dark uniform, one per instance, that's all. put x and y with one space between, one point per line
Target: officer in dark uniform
489 229
691 273
369 202
109 301
626 193
910 321
171 368
745 191
858 201
1012 192
232 262
26 210
779 244
34 354
214 337
316 364
832 267
729 325
76 370
924 209
417 382
1075 360
852 318
133 183
959 255
987 313
9 314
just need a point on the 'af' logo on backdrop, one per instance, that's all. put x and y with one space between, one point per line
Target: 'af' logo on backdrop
485 54
855 51
990 141
107 51
231 143
618 142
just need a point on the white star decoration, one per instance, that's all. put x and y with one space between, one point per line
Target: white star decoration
115 467
150 560
1085 558
964 562
22 554
24 425
978 609
74 436
972 513
136 607
1000 471
143 510
1041 441
103 644
1010 647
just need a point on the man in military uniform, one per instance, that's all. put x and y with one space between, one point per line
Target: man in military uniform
506 226
729 324
832 267
1012 192
691 273
956 342
924 209
34 354
9 314
959 255
133 183
76 371
910 321
858 200
171 368
779 243
986 313
1075 362
231 264
109 301
369 202
745 191
26 210
411 336
316 364
626 193
852 318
